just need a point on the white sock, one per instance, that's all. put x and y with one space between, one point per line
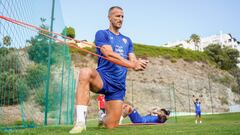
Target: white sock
121 119
81 114
100 112
102 117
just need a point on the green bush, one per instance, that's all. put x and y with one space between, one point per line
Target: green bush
4 51
38 51
36 75
69 31
40 98
144 51
226 58
169 53
13 88
22 89
9 61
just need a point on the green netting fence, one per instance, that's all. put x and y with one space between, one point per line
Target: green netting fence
37 83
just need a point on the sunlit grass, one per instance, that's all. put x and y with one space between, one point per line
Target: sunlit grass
220 124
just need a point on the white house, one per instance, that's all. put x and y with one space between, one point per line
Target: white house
222 39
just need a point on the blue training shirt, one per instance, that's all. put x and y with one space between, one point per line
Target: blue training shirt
135 117
113 74
197 106
150 119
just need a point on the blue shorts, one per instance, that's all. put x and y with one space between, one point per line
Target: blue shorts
198 113
135 117
110 91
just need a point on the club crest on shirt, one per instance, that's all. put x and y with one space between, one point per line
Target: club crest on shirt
124 40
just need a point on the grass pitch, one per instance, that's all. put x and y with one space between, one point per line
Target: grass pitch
219 124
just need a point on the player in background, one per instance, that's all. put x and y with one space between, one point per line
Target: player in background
101 108
197 104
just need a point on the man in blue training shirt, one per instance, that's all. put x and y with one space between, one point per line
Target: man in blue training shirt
197 104
109 78
159 116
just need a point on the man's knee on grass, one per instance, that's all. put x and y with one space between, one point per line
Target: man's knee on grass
111 121
113 113
111 125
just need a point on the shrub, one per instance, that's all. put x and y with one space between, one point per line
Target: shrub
39 49
226 58
36 75
169 53
10 62
69 31
4 51
13 88
40 98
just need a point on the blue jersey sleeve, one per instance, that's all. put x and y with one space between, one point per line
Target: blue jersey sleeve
130 49
101 38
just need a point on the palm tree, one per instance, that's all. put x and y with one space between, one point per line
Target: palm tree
196 40
7 40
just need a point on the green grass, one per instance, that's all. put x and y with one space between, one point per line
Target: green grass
221 124
171 53
145 51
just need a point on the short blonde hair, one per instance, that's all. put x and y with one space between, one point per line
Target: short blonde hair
113 7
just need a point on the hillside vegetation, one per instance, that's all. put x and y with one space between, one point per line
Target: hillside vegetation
156 51
170 53
225 58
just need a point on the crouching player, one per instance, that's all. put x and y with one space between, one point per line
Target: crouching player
159 116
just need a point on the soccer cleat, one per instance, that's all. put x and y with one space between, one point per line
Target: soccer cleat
196 122
200 122
77 129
